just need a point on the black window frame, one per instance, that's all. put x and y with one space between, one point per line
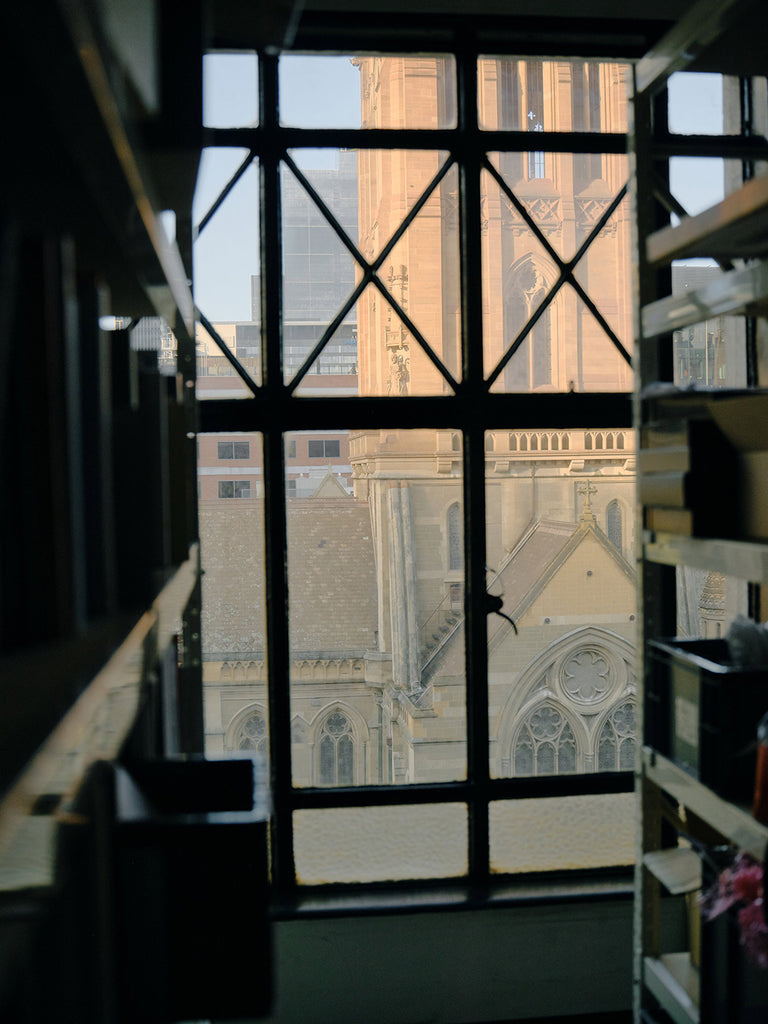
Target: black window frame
276 410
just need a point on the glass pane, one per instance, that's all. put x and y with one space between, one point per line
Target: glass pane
230 90
226 251
703 104
231 516
700 182
380 844
563 347
216 377
368 91
563 833
420 274
376 582
596 181
560 533
527 308
538 95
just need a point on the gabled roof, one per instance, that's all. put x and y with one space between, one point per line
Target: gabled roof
330 487
540 555
525 565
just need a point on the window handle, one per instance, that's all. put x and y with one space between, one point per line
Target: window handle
493 605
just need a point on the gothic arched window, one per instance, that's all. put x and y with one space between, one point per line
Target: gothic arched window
525 289
614 524
545 745
616 744
337 751
252 733
455 545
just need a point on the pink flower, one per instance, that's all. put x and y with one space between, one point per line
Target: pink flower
747 881
741 883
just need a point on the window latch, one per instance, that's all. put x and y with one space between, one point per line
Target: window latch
493 605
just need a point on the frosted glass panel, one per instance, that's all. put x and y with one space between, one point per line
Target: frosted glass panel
563 833
380 844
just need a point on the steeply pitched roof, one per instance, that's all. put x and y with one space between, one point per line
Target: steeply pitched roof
331 575
542 553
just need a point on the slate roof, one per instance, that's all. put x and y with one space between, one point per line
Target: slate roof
331 570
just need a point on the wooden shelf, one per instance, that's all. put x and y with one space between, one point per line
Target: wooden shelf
674 981
736 227
746 560
734 293
734 823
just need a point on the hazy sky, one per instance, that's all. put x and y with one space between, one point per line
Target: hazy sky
325 92
314 92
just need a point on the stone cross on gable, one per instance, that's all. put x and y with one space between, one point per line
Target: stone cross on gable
586 490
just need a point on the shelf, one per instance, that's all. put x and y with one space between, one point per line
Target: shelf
736 227
678 869
737 292
674 981
734 823
746 560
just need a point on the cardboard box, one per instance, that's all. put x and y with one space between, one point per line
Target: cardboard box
744 421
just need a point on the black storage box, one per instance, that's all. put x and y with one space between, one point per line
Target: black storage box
702 712
167 877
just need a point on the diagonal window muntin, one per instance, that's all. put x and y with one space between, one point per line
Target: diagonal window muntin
566 269
475 796
370 270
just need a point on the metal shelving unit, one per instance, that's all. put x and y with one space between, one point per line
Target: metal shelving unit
676 807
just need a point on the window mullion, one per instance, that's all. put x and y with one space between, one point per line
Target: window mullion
275 540
474 469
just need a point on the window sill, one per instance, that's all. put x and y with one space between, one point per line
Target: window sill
361 901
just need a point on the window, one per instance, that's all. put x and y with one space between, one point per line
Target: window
251 733
290 448
234 489
478 304
455 539
614 524
336 747
546 745
234 450
323 449
535 113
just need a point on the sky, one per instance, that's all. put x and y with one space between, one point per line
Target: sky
315 92
325 92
